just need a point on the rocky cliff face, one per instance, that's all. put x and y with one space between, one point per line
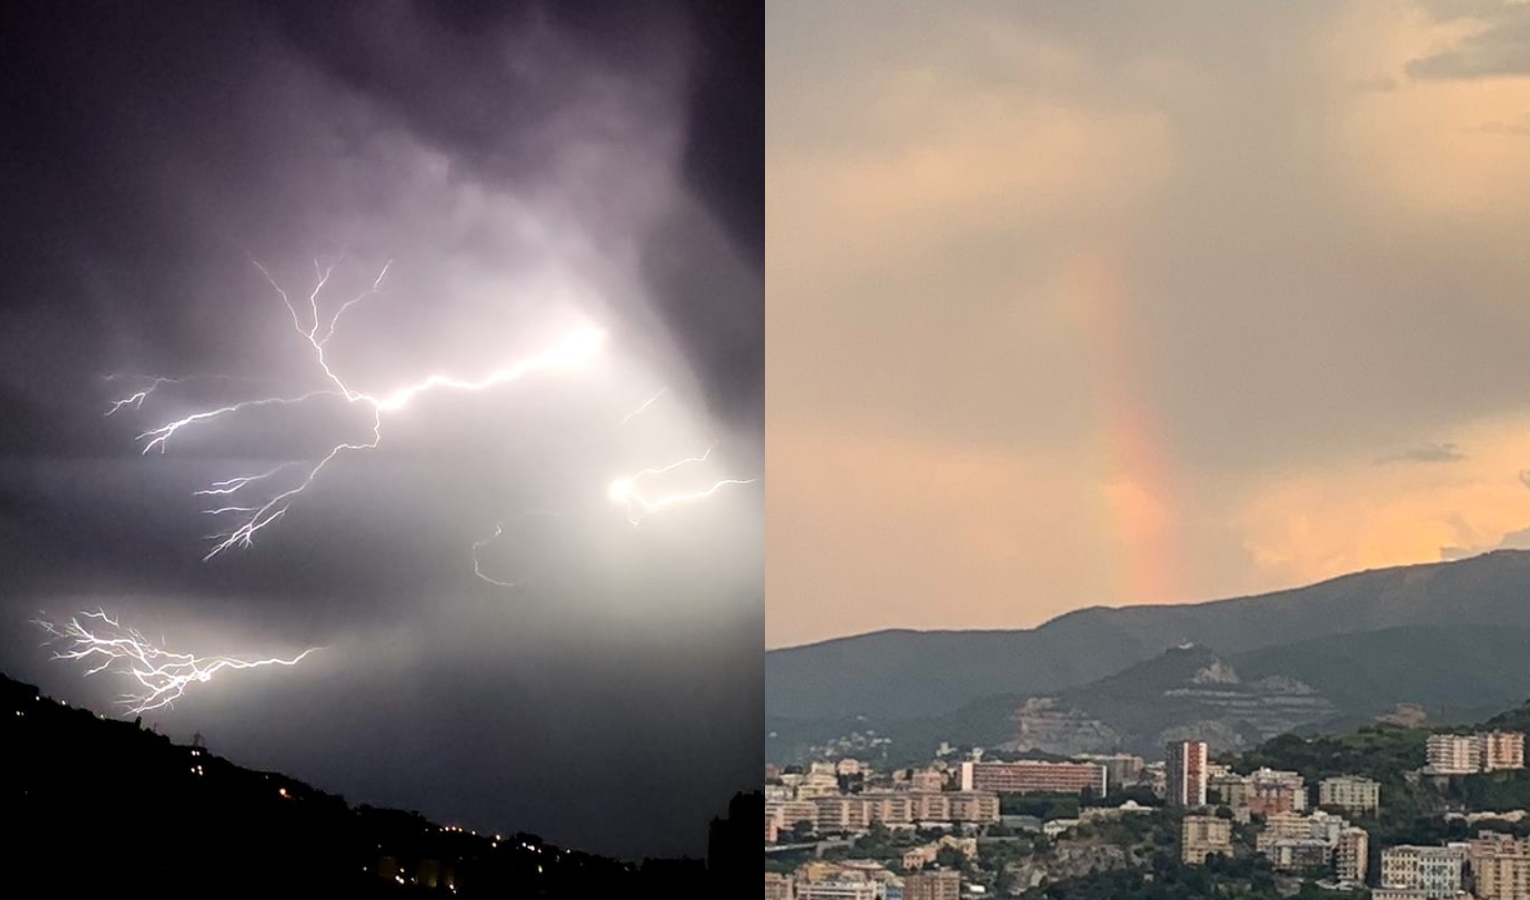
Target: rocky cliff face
1051 725
1187 694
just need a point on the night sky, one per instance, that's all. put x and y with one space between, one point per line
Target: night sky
526 170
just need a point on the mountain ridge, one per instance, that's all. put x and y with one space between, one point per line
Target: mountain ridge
907 673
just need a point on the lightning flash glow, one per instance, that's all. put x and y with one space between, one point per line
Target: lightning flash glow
639 505
316 328
161 675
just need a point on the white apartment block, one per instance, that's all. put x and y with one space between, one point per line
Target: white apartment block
1501 750
841 889
1437 871
1354 794
1452 754
1463 754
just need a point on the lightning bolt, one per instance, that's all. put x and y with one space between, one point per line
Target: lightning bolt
316 329
646 403
162 676
499 531
624 491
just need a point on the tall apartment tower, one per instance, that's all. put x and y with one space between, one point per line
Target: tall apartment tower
1186 770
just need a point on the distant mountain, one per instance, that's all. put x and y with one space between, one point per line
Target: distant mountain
1447 674
892 675
87 802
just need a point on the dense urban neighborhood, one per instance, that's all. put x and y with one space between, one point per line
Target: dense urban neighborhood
1389 811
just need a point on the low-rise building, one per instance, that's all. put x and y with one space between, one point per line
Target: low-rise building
918 857
1121 769
1033 776
844 887
788 813
1103 813
778 886
1438 871
945 884
1201 836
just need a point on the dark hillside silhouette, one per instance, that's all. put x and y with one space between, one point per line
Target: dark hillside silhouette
88 801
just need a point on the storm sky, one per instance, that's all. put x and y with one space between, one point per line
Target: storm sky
1113 303
527 169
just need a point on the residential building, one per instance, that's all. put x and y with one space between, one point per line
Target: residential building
818 783
1501 750
1121 769
919 857
1351 855
1286 826
844 887
1437 871
1272 791
842 813
1230 790
974 806
1201 836
1398 894
1354 794
1290 840
1296 826
847 767
889 807
945 884
778 886
787 813
1499 866
1185 766
1033 776
1298 854
857 812
1452 754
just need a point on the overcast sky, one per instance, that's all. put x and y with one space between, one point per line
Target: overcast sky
530 170
1112 303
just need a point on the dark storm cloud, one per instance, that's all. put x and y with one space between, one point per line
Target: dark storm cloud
1427 453
1501 48
1520 128
515 161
